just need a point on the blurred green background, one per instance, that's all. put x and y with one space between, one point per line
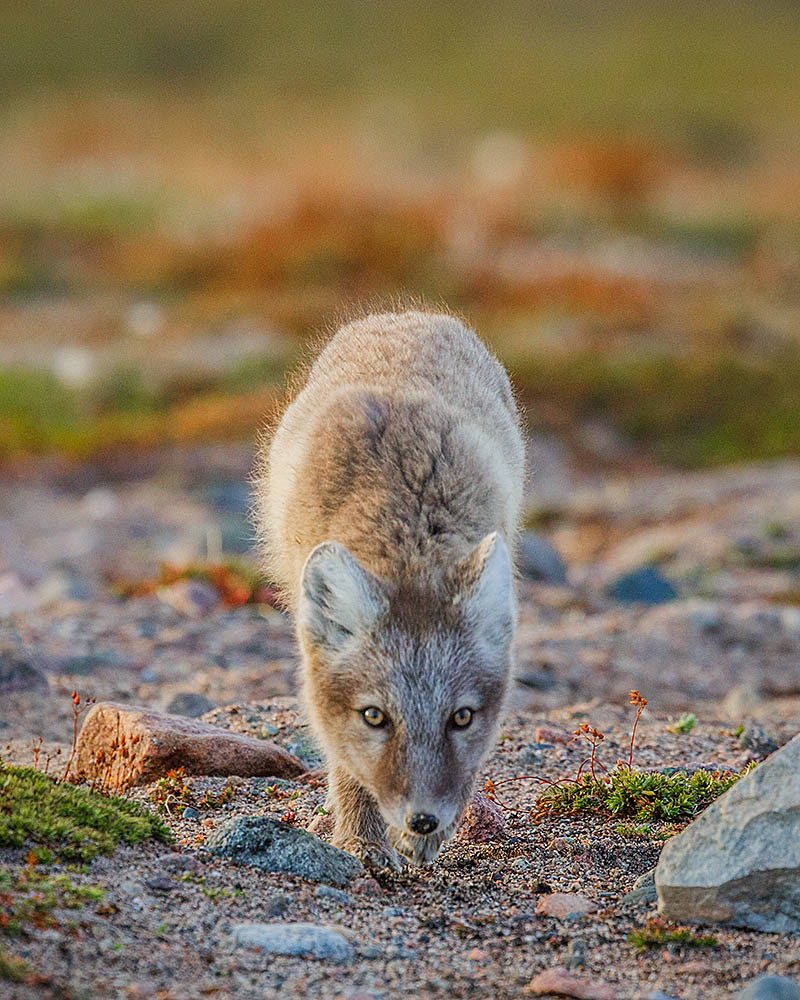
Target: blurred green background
609 192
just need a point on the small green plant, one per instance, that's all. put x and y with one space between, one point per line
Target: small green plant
646 831
171 791
28 901
684 725
72 823
656 933
210 800
12 968
645 796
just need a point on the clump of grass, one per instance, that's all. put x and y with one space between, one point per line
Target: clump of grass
74 823
640 795
28 901
646 831
684 725
12 968
171 790
656 933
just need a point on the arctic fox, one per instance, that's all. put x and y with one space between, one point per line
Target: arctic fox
387 500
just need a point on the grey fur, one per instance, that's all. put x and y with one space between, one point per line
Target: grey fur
387 500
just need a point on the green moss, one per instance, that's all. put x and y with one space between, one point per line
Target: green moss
641 795
656 933
74 823
13 969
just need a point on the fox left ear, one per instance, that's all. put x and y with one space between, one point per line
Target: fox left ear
482 583
339 599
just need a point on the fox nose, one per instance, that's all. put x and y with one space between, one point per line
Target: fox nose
422 822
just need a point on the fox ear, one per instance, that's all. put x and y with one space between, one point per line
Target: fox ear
338 597
482 583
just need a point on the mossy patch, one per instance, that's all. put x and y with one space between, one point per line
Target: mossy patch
641 795
75 823
656 933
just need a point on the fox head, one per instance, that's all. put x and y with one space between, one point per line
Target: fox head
406 685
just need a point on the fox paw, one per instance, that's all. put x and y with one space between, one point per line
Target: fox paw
419 850
372 854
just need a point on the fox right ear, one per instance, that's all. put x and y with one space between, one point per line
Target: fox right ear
338 597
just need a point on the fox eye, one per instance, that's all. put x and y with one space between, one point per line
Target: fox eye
373 717
462 717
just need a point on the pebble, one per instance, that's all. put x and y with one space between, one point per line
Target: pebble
539 560
643 586
561 981
755 738
190 813
564 904
336 895
483 820
303 939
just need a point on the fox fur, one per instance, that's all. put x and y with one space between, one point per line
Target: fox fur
387 503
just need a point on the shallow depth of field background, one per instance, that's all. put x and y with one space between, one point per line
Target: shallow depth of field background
609 192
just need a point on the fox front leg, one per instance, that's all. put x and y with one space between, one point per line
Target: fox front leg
359 827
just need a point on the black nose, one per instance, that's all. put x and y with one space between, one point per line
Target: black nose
422 823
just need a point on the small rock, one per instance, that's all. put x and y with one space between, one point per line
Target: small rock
538 560
367 886
547 735
520 864
560 981
190 704
770 988
738 863
307 940
20 673
564 904
278 847
483 820
160 883
190 813
336 895
645 586
575 955
756 739
163 742
643 892
278 905
192 598
477 955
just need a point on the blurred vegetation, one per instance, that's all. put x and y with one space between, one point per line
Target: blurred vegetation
609 193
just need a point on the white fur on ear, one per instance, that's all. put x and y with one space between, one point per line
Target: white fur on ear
485 588
338 597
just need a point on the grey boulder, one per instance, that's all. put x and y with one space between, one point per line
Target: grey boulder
738 863
277 847
307 940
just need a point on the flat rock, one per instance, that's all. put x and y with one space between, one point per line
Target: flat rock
163 742
738 863
278 847
770 988
562 904
643 586
306 940
561 982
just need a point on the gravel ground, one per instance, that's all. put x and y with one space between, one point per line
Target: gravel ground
727 649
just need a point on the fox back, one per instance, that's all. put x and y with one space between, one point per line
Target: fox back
387 501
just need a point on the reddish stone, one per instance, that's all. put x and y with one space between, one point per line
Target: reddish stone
157 743
560 982
561 904
483 820
544 734
367 886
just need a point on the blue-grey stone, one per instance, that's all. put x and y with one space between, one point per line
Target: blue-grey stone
266 843
770 988
335 895
645 586
539 560
303 939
